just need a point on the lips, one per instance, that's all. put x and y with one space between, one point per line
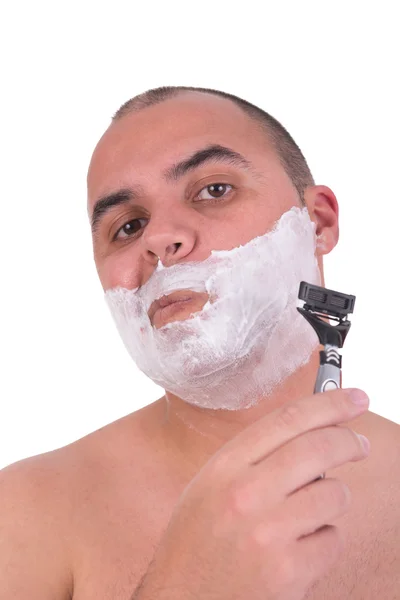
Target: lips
169 299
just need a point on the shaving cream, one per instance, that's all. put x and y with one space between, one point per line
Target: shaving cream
247 338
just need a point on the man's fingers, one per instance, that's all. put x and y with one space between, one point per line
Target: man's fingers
286 423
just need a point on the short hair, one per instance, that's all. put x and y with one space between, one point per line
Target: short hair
288 152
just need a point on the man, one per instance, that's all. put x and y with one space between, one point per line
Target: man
86 520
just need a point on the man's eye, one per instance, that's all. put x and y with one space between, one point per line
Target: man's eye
216 190
127 230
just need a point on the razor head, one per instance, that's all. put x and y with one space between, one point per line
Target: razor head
328 302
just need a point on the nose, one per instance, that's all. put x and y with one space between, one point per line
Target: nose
170 235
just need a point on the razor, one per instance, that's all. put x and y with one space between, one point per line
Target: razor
319 304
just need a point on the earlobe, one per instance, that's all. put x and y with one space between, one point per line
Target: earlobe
323 245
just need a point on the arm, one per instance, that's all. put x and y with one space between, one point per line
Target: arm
32 555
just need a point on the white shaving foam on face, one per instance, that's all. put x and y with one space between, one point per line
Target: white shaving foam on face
248 339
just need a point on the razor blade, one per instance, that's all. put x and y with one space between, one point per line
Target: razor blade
328 302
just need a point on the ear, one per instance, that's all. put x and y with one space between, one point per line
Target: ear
323 209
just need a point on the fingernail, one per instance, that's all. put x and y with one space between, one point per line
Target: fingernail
365 442
358 397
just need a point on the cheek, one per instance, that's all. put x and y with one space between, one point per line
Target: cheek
262 209
251 220
118 270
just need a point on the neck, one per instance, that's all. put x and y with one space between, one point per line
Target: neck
195 434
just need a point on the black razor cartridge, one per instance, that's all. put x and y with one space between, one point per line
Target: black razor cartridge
320 303
328 302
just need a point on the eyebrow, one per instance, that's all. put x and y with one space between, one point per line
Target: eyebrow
214 152
208 154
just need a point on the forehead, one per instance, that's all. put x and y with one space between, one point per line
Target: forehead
141 145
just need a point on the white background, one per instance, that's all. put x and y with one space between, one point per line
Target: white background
327 70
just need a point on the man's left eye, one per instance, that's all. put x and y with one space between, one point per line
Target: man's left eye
215 190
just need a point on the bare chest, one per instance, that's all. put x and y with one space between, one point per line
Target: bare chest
121 518
114 551
117 544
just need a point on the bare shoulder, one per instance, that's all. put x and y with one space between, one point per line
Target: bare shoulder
377 484
370 566
44 500
33 541
377 564
385 512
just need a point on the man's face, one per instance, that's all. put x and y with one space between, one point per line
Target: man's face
182 207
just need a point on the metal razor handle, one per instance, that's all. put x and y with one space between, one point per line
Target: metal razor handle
328 377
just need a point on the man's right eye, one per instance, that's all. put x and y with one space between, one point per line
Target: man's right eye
127 229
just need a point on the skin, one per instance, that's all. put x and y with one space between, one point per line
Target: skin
135 151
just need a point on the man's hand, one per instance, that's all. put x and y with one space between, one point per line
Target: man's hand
256 522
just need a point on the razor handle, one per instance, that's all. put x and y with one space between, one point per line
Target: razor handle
329 372
320 302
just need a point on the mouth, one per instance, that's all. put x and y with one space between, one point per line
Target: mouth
164 301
